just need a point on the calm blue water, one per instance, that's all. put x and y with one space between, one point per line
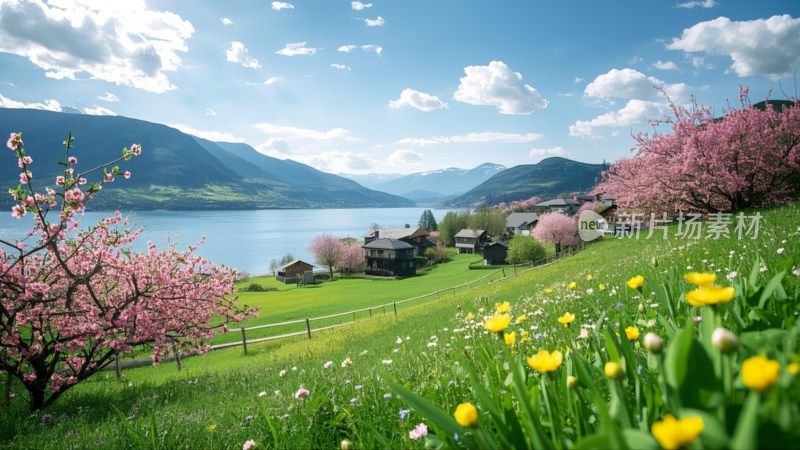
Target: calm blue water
247 240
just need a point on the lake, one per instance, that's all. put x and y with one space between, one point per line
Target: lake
246 240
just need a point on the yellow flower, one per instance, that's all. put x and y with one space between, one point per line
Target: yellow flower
614 370
589 277
548 291
466 415
545 361
567 319
470 316
636 282
572 381
572 286
632 333
601 287
700 279
793 368
510 338
760 373
521 318
497 323
710 295
212 427
503 308
674 433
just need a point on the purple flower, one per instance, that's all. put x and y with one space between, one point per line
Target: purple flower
354 400
359 387
619 305
387 395
404 413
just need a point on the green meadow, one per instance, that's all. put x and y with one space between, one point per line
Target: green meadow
372 382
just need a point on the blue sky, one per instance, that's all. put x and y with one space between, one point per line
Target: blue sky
398 86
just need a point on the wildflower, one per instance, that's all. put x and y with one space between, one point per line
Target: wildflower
497 323
793 368
387 361
641 307
419 432
250 418
548 291
654 260
710 295
354 400
653 343
399 340
282 373
566 319
572 381
636 283
780 251
347 362
521 318
301 393
510 338
601 287
249 444
262 393
503 307
572 286
470 316
387 395
700 279
545 361
618 306
614 370
674 433
760 373
404 413
589 277
212 427
328 365
466 415
724 340
584 333
632 333
346 445
358 387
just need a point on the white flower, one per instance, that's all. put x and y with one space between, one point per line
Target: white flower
399 340
796 272
763 269
732 275
328 365
294 368
387 361
347 362
396 350
590 291
432 344
262 393
282 373
780 251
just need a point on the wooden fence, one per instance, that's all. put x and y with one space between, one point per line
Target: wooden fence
498 275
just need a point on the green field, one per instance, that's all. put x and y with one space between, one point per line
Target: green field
436 357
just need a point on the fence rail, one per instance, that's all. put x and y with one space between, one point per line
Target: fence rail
512 269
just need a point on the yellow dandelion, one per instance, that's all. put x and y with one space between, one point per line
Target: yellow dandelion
632 333
545 361
759 373
497 323
636 283
567 319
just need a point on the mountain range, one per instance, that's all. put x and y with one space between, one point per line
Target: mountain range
550 177
433 186
176 170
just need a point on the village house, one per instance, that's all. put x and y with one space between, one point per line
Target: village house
470 241
389 258
416 237
288 273
495 253
566 206
521 223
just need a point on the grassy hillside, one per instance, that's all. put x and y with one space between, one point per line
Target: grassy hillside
429 352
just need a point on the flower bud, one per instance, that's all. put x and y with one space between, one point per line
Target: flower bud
347 445
653 343
724 340
571 382
641 308
655 261
614 370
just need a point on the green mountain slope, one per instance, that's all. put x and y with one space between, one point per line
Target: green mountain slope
548 178
176 170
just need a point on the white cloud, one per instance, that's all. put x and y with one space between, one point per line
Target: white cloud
338 161
376 48
405 157
634 113
577 80
119 42
277 6
665 65
703 4
268 82
297 48
346 48
358 6
484 137
340 66
419 100
284 133
631 84
497 85
211 112
375 22
237 53
699 62
108 97
541 153
47 105
214 136
226 21
99 111
756 47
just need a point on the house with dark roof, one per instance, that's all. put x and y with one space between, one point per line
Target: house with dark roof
470 241
495 253
417 237
521 223
288 273
389 258
566 206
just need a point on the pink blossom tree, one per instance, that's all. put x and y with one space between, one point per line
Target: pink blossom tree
72 300
327 250
352 257
556 228
748 158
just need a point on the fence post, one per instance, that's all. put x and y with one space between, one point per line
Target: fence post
244 341
177 355
370 312
395 308
308 327
504 271
116 363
